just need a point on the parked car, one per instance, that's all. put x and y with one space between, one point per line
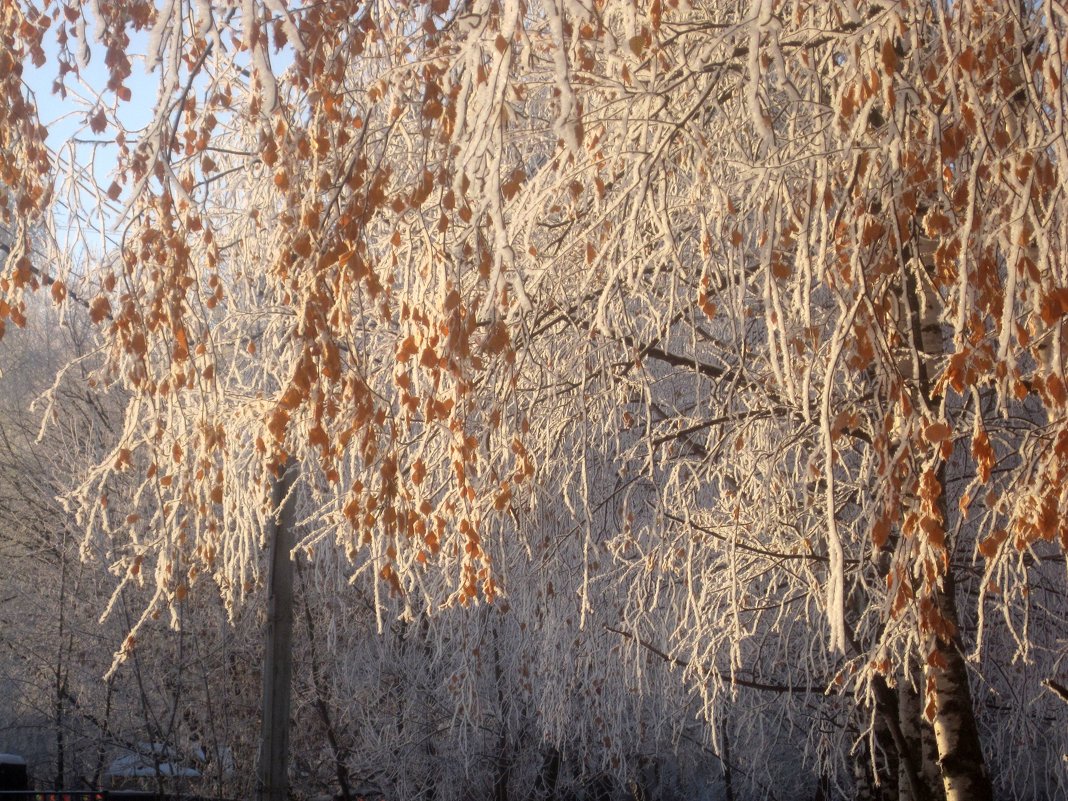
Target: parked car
13 774
138 769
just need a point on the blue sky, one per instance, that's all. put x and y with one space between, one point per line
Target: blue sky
71 139
67 119
90 156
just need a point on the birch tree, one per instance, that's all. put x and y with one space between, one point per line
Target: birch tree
793 270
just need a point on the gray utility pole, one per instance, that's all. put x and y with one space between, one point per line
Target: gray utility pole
273 778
